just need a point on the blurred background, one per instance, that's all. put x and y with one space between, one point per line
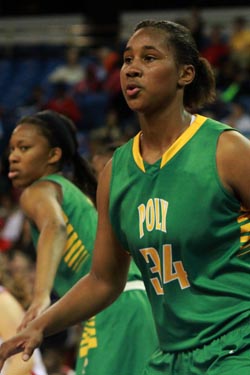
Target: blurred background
66 57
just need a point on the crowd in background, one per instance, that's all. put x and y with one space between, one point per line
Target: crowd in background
90 94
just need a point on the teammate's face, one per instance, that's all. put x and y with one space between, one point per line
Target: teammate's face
149 74
29 157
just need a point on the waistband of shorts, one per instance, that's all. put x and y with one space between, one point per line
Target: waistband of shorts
134 285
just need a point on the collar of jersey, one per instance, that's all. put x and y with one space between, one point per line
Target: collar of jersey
174 148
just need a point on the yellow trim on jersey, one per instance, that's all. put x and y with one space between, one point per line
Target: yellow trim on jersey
75 252
183 139
136 152
174 148
244 221
89 338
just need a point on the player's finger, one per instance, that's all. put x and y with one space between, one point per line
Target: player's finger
28 351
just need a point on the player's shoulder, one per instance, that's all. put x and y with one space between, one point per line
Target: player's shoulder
233 140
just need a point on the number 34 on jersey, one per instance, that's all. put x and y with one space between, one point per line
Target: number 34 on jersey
153 216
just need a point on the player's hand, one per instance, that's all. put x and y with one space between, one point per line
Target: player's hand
26 341
36 308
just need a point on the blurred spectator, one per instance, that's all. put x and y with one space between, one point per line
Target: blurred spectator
225 75
21 264
239 42
102 155
12 221
21 267
112 61
5 184
35 102
110 128
91 99
92 82
239 118
54 361
216 50
14 298
233 81
21 270
196 24
1 137
63 102
71 71
24 241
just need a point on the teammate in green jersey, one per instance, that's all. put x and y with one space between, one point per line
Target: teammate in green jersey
176 198
63 220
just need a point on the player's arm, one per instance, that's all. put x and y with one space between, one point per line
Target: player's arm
91 294
41 204
233 161
106 279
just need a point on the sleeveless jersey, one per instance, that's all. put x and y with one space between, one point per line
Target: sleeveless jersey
187 234
103 336
77 254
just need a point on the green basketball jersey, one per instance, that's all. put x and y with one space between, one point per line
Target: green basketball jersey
104 337
187 234
77 256
81 219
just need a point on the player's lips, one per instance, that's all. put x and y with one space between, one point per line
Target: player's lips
132 89
13 173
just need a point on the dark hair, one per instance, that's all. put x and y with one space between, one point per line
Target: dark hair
60 131
201 90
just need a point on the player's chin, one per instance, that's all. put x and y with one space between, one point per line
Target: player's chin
135 104
18 184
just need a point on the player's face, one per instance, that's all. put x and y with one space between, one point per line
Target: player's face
149 74
29 156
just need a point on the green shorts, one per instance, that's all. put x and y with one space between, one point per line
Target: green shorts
227 355
121 339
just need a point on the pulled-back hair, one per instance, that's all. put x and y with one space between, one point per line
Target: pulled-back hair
60 131
201 90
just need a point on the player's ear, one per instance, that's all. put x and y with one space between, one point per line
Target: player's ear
55 154
186 75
